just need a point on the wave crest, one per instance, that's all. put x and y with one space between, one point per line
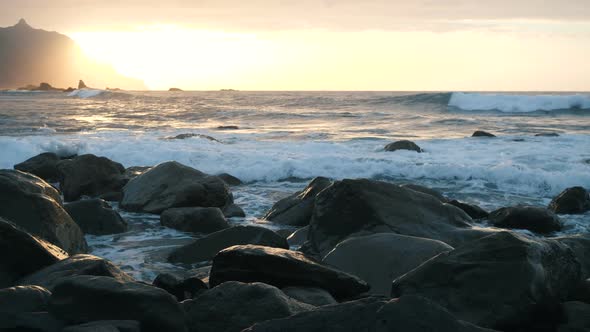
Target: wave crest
514 103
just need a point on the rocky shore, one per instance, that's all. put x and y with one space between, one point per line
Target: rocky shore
367 256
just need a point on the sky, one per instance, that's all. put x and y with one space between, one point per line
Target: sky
501 45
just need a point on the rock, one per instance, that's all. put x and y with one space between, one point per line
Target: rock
228 127
175 90
115 196
24 299
233 210
535 219
229 179
577 317
426 190
43 165
547 135
202 273
206 248
281 268
181 289
359 315
296 210
29 322
532 276
233 306
35 206
82 85
403 145
580 245
82 299
481 133
573 200
194 219
172 184
106 326
298 237
97 217
190 135
135 171
89 175
363 207
473 211
415 313
76 265
310 295
381 258
22 253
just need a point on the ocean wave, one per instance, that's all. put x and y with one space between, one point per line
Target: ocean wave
86 93
513 103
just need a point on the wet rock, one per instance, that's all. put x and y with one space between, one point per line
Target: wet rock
83 299
194 219
234 306
298 237
43 165
580 245
230 179
206 248
82 85
380 258
228 127
310 295
281 268
233 210
22 253
533 276
89 175
106 326
190 135
577 317
296 209
535 219
24 299
134 171
403 145
426 190
29 321
181 289
573 200
547 135
35 206
115 196
481 133
172 184
473 211
76 265
97 217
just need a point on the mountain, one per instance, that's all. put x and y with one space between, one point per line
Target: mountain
30 56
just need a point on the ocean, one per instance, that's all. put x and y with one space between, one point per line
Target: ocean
284 139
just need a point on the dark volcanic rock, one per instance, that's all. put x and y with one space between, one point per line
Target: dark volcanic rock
230 179
233 210
35 206
296 210
97 217
74 266
194 219
536 219
281 268
481 133
43 165
181 289
571 201
172 184
310 295
106 326
473 211
363 207
22 253
89 175
83 299
234 306
532 276
380 258
24 299
403 145
351 316
206 248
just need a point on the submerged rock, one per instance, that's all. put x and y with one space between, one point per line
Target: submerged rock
194 219
172 184
97 217
481 133
547 135
281 268
535 219
573 200
403 145
43 165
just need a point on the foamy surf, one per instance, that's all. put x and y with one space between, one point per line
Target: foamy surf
86 93
518 103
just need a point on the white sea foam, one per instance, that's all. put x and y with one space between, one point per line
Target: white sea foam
518 103
86 93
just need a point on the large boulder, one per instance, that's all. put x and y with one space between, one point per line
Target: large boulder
234 306
230 179
281 268
503 281
82 299
233 210
571 201
22 254
535 219
474 211
35 206
296 209
97 217
403 145
181 289
577 317
310 295
362 207
481 133
206 248
172 184
43 165
580 245
24 299
381 258
76 265
194 219
426 190
89 175
29 322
